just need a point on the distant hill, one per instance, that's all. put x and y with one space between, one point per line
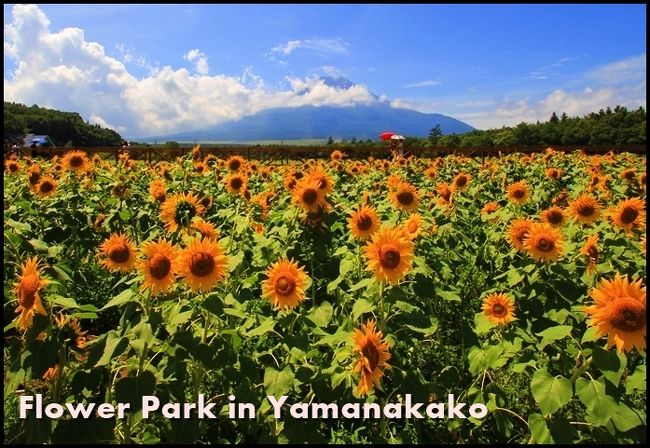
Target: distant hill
64 128
321 122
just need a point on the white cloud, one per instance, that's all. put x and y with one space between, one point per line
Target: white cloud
61 70
629 69
318 45
199 59
427 83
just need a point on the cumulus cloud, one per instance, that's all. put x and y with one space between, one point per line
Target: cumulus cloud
199 59
62 70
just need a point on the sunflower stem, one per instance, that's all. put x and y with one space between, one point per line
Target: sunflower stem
382 320
582 369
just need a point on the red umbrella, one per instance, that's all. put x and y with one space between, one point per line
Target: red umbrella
386 135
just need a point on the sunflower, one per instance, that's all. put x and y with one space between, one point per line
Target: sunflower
444 192
202 264
489 209
157 265
12 166
619 312
628 174
561 198
413 226
235 163
28 288
518 231
389 254
336 155
590 250
373 356
519 193
307 195
585 208
157 190
285 284
629 214
201 168
405 197
553 215
178 211
33 176
554 173
70 331
363 222
544 242
320 176
431 172
119 252
236 183
46 187
461 181
206 229
76 161
499 308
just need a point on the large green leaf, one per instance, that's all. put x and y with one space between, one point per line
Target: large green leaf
322 315
553 334
278 382
550 393
600 405
360 307
125 296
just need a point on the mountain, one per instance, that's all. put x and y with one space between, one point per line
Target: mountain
321 122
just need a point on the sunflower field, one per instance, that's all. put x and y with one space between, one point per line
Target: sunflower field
515 281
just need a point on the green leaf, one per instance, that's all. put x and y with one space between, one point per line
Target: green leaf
132 389
539 430
591 334
423 286
347 264
278 382
125 296
61 274
39 245
636 381
180 318
322 315
451 296
553 334
265 327
360 307
113 349
625 418
593 395
19 227
362 284
65 302
482 324
514 277
425 331
550 393
481 359
611 362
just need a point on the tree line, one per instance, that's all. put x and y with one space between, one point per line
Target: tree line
64 128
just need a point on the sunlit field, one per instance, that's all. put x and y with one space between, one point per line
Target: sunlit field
516 282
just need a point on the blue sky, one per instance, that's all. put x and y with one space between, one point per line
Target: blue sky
153 69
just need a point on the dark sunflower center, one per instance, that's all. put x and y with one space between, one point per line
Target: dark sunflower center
412 227
159 266
285 285
518 193
201 264
310 196
405 198
628 175
629 215
461 181
371 353
46 186
297 175
206 201
184 213
34 177
554 174
13 167
555 217
364 222
627 314
119 253
521 234
592 252
389 256
594 181
76 161
586 210
234 165
499 310
545 244
236 183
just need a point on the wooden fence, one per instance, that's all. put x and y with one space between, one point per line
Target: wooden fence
283 154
